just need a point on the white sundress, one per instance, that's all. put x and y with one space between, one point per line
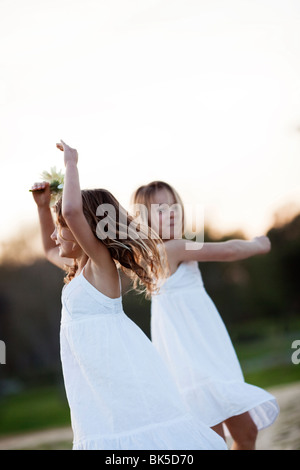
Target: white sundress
190 336
120 393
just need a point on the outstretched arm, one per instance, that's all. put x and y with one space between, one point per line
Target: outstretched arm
231 250
41 196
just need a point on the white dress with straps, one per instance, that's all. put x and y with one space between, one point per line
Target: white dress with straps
120 393
190 336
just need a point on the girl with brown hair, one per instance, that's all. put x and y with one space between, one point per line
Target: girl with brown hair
120 394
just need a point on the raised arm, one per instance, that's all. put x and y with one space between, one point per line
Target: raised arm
72 212
41 196
231 250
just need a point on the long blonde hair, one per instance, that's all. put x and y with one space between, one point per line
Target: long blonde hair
133 248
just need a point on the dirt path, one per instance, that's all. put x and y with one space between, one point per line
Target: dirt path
284 434
52 439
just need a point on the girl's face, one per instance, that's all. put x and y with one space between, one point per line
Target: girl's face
166 215
67 245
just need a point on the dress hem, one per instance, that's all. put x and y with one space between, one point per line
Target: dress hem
174 434
241 397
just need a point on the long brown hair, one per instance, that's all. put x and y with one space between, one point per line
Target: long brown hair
133 248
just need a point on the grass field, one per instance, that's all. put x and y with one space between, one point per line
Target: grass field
32 409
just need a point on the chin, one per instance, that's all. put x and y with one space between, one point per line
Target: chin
62 254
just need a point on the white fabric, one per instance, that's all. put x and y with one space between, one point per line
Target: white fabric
120 393
191 337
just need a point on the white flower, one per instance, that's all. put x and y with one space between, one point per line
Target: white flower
56 180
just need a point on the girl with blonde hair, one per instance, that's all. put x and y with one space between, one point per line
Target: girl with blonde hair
188 331
120 393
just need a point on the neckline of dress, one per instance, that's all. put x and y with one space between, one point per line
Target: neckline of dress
183 263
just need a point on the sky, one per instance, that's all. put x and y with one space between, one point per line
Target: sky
204 94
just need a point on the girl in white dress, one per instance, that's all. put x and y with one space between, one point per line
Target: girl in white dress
188 331
120 393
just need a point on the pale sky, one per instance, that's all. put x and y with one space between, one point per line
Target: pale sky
204 94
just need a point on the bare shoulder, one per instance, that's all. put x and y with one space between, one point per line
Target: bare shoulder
105 278
173 249
171 246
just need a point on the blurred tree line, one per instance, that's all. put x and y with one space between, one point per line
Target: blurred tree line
259 291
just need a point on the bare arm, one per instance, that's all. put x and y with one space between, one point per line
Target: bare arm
41 195
231 250
72 211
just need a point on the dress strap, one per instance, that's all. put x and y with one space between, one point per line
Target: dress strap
120 283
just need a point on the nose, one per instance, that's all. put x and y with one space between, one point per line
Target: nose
53 236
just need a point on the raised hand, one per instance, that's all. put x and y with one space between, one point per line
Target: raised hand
70 154
263 244
41 194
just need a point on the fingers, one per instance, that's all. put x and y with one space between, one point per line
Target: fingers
62 145
39 186
70 154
